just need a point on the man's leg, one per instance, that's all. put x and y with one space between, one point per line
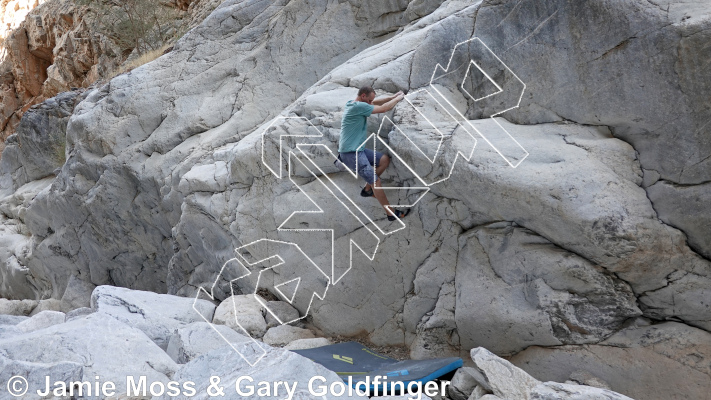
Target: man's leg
381 163
380 195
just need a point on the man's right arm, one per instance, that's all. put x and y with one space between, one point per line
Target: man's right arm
388 106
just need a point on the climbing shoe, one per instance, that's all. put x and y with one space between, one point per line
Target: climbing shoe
366 193
398 215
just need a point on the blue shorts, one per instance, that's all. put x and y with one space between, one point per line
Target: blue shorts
367 159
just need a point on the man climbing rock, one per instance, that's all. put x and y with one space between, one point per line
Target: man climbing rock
354 133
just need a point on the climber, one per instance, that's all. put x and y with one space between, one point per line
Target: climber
354 133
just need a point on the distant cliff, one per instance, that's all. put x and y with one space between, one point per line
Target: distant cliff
52 46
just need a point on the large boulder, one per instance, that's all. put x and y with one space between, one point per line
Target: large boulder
158 315
84 348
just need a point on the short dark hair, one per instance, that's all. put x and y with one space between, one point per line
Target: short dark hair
365 90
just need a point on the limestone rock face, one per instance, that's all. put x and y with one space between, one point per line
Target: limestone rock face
56 47
611 63
164 178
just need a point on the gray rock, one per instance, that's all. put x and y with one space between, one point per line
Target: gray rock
303 344
17 307
99 344
282 310
11 319
78 293
49 305
134 204
41 320
198 338
285 334
600 89
38 146
79 312
504 379
685 207
574 304
36 373
158 315
243 313
463 384
478 393
562 391
275 365
677 352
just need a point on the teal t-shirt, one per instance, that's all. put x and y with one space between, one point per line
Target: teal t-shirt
353 125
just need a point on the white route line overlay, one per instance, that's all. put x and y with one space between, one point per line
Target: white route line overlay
320 211
518 103
281 261
355 174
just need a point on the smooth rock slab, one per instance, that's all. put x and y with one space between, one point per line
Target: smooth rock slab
158 315
201 337
99 343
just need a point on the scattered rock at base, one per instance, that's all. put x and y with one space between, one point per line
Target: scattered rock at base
512 383
242 313
49 305
283 310
303 344
285 334
464 381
